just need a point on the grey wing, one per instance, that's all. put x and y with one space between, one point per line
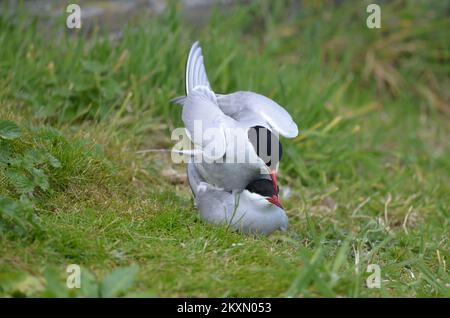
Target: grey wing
214 205
196 78
205 123
200 109
250 109
194 178
195 70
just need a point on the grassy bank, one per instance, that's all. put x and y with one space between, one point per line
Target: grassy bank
366 182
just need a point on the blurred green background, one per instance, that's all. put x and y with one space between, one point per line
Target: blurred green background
366 181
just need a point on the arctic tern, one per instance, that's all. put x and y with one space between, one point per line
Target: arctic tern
242 194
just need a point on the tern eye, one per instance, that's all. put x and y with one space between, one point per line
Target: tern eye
266 145
263 187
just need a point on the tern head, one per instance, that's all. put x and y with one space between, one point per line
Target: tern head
267 145
266 188
269 149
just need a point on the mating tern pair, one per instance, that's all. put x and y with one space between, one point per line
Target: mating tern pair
242 194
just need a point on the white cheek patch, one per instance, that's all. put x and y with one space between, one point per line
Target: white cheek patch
256 198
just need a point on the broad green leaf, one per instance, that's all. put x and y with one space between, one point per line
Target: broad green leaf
55 163
5 152
17 216
19 283
54 285
40 179
7 206
89 286
9 130
33 157
119 281
29 285
21 182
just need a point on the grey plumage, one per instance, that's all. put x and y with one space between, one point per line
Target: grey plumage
240 210
219 186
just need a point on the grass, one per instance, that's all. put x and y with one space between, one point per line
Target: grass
368 175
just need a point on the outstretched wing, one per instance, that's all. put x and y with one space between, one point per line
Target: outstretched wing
250 109
195 70
196 78
205 123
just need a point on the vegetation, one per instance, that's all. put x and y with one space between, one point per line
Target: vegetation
366 182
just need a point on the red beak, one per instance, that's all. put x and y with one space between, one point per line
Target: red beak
273 176
274 198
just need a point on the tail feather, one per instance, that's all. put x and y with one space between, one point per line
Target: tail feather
179 100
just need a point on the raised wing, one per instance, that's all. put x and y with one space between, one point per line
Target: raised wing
195 70
204 120
251 109
196 78
205 123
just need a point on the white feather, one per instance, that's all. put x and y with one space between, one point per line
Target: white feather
254 109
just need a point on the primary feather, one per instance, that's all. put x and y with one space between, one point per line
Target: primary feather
195 69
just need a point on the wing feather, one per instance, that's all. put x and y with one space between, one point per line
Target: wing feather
205 123
195 69
251 109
